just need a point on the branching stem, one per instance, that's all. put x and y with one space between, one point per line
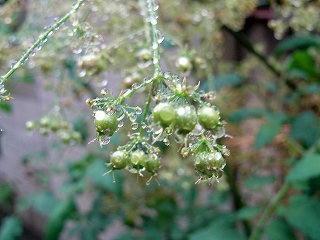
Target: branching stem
41 40
276 199
155 39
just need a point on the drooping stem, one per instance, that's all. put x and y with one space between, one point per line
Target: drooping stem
238 202
145 113
129 92
276 199
41 40
144 13
152 19
242 39
269 210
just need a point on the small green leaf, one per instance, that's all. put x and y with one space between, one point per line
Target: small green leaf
256 182
218 198
6 107
95 173
279 230
11 228
267 133
301 42
60 213
6 195
306 128
303 213
308 167
246 113
230 79
247 213
222 227
302 62
44 202
311 88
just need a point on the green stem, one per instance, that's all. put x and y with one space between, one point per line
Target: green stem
129 92
237 198
145 113
269 210
122 39
277 198
41 40
241 38
155 39
144 13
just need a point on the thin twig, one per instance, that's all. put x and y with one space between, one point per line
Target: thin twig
41 40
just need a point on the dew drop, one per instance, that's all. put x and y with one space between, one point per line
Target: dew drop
169 130
211 95
167 75
120 123
153 21
160 37
135 85
138 110
216 109
77 50
149 129
82 73
176 79
166 141
120 115
155 5
126 92
132 117
184 152
13 64
155 46
198 130
134 126
220 132
104 140
147 80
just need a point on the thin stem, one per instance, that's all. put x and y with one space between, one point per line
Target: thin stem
277 198
145 113
241 38
238 202
144 13
129 92
245 42
41 40
121 39
269 210
155 40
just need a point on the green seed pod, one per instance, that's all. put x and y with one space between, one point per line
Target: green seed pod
153 163
186 119
119 159
138 159
208 117
164 113
106 124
